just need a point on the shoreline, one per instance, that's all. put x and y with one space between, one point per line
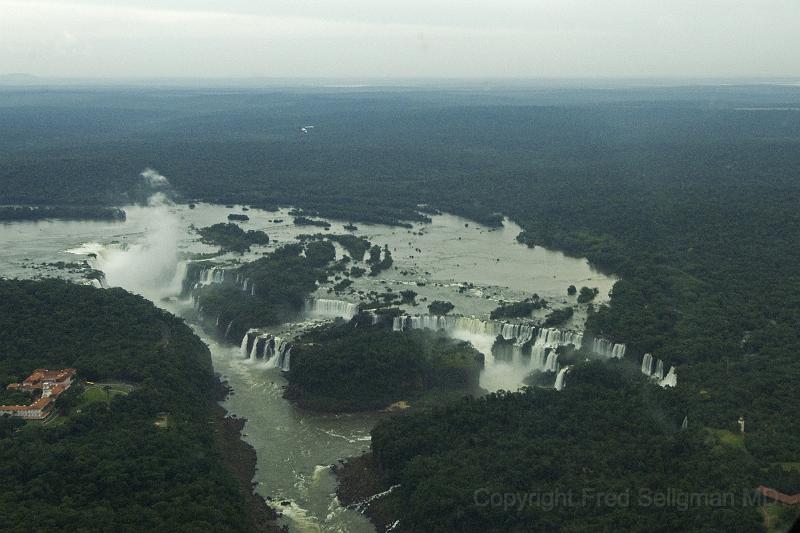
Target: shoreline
358 480
239 458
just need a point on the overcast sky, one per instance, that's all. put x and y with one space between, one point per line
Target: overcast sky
405 38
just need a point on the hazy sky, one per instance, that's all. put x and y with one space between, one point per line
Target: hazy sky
407 38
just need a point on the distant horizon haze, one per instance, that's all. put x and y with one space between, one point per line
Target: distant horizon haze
413 39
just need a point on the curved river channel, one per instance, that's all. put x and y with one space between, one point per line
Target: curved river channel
147 252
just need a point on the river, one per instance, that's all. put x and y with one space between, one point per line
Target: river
146 254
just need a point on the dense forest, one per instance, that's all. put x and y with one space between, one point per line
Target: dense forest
467 466
106 465
688 194
355 367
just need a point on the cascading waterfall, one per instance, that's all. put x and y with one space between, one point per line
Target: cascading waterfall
559 384
551 364
211 275
608 349
228 329
647 364
660 369
254 349
276 350
330 308
243 346
100 281
540 343
671 379
652 367
522 333
283 355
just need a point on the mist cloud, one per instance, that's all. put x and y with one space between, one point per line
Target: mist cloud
154 179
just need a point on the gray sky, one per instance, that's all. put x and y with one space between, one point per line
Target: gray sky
405 38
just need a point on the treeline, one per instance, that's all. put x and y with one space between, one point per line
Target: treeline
108 466
521 309
20 213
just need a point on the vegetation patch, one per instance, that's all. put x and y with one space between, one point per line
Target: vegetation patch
230 237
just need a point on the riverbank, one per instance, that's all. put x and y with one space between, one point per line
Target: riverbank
360 484
239 458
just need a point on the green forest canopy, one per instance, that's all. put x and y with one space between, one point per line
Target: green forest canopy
109 467
688 194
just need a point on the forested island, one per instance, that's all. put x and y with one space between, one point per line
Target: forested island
349 368
156 457
230 237
305 221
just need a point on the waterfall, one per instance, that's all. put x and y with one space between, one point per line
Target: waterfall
538 357
330 308
286 366
608 349
671 379
551 365
659 369
100 281
283 351
269 347
647 364
253 350
528 346
228 329
211 275
278 351
253 289
243 346
521 333
559 384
